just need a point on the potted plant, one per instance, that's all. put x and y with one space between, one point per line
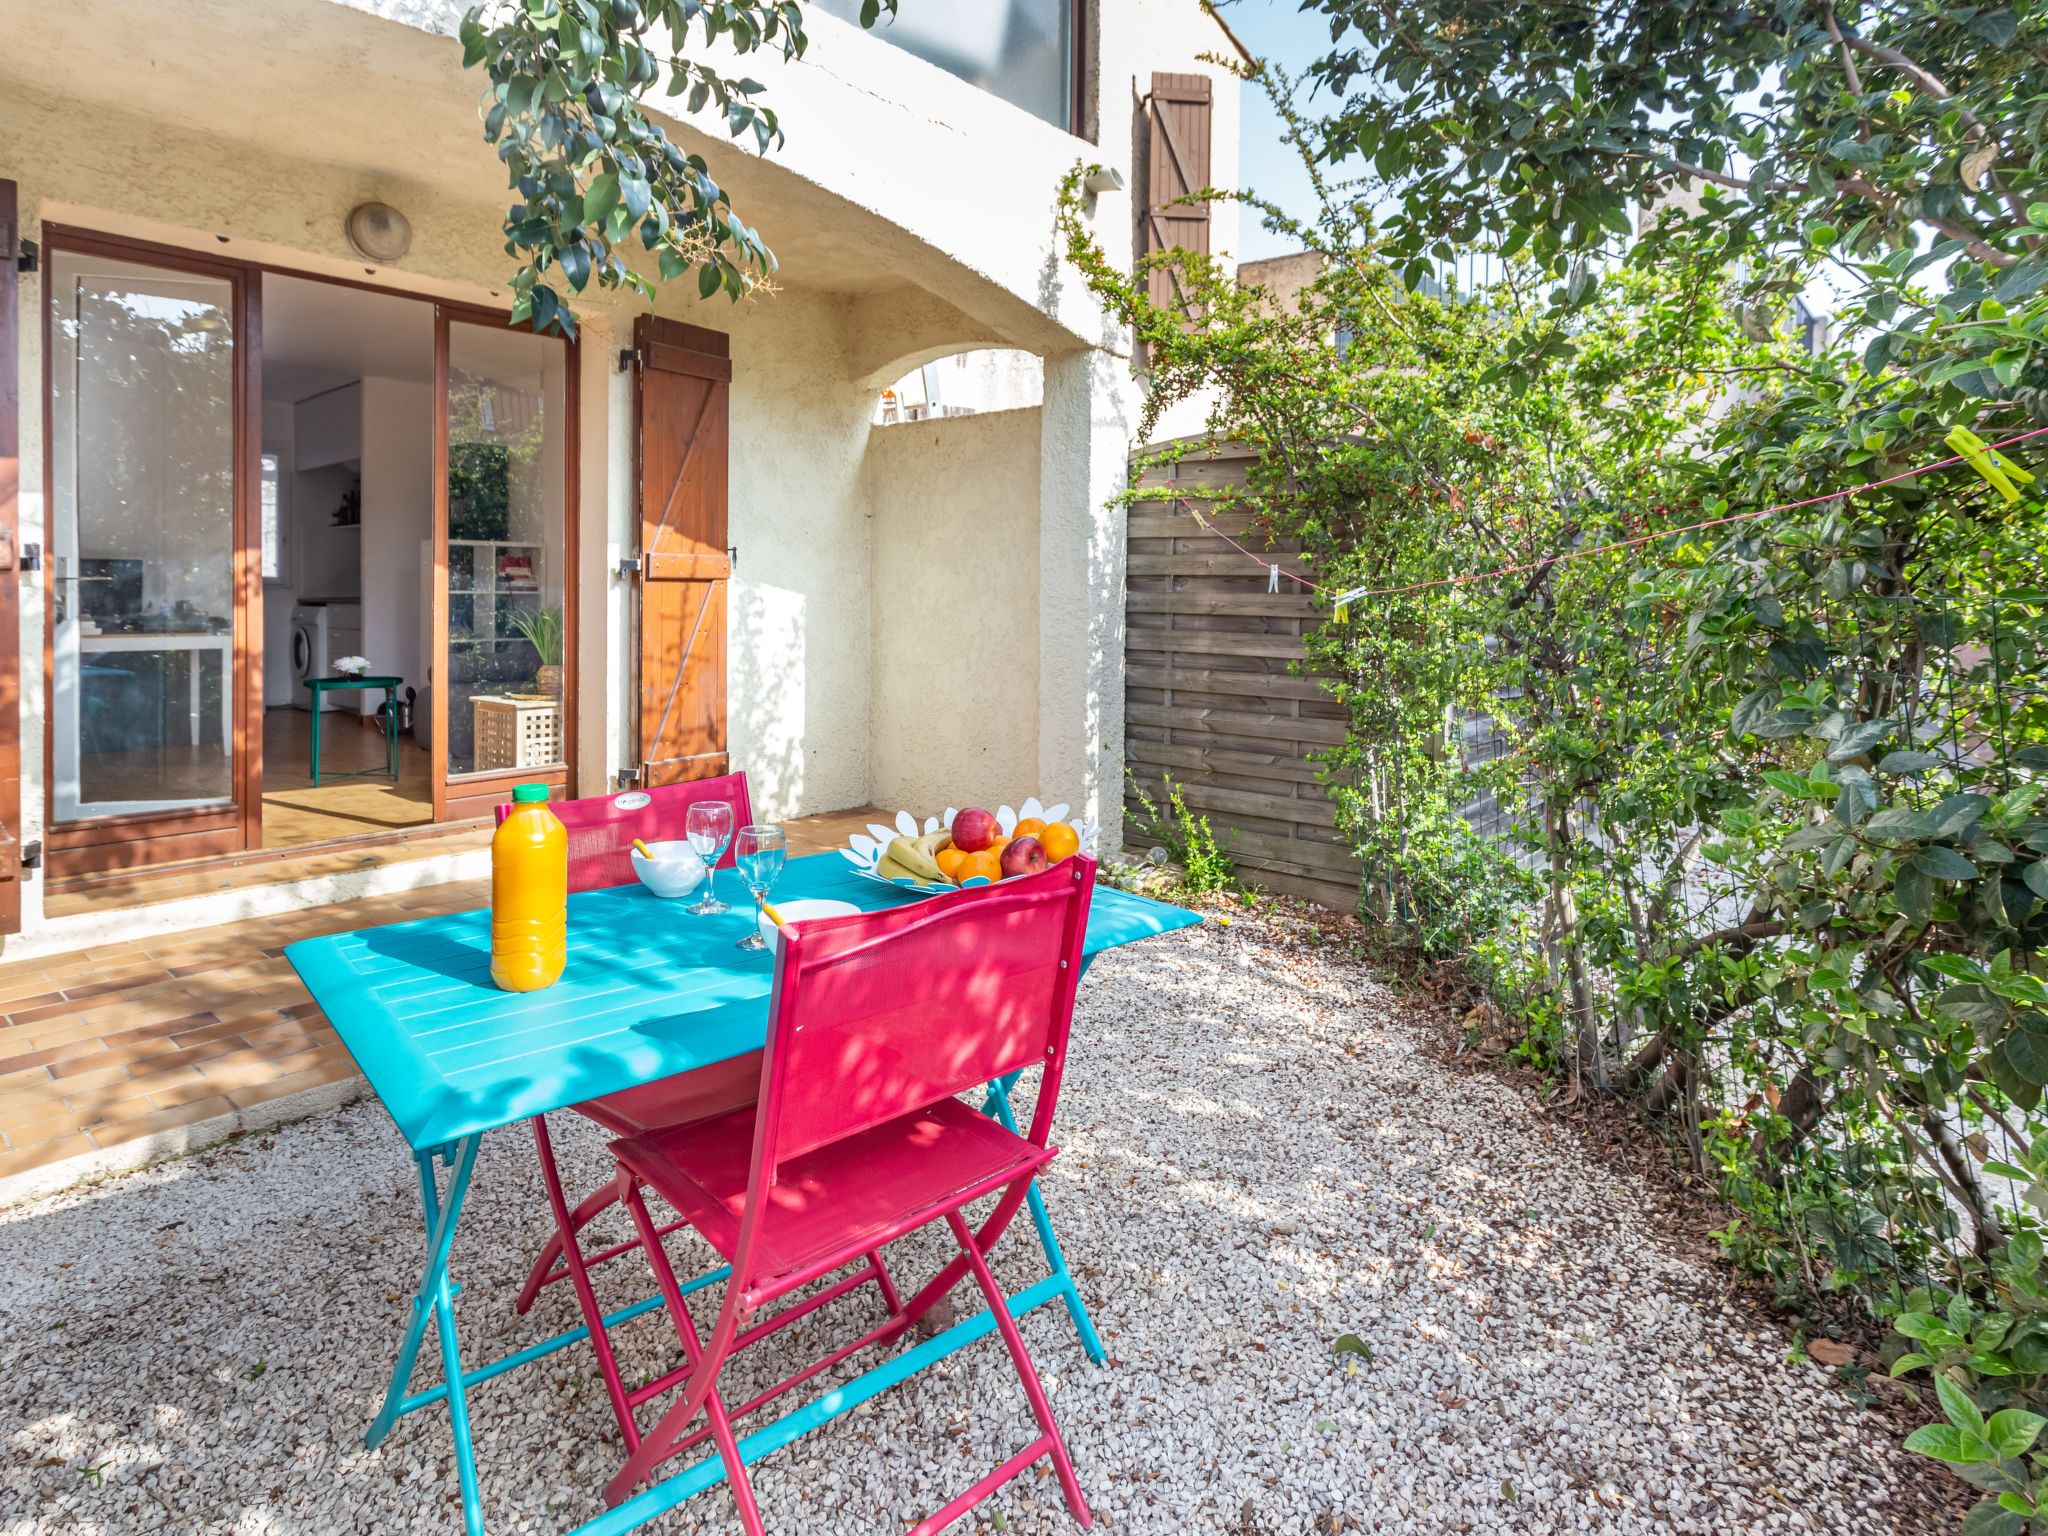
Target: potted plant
351 666
542 629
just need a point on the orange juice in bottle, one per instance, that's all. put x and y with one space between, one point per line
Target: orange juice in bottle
529 894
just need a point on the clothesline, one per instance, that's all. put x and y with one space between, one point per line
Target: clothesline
1340 600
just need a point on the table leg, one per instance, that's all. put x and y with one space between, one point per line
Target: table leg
436 1298
997 1105
391 731
319 703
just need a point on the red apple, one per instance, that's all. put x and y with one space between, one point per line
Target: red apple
1024 856
974 829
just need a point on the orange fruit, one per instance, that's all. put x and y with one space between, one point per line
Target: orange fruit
1060 841
985 865
1030 826
949 861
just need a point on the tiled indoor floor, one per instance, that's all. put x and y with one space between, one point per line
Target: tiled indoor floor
110 1045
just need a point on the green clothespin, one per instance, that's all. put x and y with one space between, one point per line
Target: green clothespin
1994 466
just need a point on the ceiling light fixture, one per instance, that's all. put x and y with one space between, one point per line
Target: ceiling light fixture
378 232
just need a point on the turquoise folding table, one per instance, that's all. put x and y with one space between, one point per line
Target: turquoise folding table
649 991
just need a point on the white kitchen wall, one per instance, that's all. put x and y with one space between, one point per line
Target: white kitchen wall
398 509
279 420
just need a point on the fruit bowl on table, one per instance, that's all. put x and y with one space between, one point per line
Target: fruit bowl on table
870 852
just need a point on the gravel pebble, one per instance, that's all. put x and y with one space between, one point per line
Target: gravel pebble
1257 1159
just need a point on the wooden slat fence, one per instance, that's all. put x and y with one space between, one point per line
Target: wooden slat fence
1209 700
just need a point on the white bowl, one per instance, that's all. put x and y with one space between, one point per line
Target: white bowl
675 869
797 911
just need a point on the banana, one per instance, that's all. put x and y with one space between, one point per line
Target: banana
887 867
912 854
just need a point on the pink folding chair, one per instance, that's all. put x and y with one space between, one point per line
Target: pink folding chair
856 1140
601 833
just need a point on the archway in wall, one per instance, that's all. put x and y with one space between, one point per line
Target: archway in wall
966 383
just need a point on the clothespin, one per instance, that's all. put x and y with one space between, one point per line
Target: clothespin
1273 577
1337 615
1994 466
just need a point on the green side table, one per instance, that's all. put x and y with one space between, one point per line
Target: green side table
320 687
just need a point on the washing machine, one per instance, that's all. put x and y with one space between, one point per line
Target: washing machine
321 632
309 652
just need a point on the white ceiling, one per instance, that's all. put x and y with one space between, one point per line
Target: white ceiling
318 336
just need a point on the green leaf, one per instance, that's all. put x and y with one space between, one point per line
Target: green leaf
1754 709
1910 762
1944 1442
2036 877
2013 1083
1944 864
1858 739
1914 894
1351 1344
600 197
1990 1518
1897 821
1912 1360
1972 1003
2013 1431
1960 1407
708 279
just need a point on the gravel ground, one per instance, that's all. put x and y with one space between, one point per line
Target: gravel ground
1258 1158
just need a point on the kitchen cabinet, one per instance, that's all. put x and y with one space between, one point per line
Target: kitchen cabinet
329 428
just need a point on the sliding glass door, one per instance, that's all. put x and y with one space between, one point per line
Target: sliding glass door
143 538
503 555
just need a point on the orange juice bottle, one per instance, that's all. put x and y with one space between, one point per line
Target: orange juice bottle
529 894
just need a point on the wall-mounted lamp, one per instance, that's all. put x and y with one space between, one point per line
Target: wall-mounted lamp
378 231
1104 178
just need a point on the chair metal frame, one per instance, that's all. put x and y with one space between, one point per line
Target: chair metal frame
990 1035
709 1090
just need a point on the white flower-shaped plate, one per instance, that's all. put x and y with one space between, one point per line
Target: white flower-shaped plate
864 850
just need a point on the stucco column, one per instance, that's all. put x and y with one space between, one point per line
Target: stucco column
1083 446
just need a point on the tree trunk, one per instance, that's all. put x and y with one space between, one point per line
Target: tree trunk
1565 915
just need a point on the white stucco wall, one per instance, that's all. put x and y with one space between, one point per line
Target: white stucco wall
955 579
941 244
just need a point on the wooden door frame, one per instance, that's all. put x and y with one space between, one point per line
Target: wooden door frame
115 843
156 837
10 544
470 795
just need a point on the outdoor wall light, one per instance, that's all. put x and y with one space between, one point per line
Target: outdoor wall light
1104 178
378 231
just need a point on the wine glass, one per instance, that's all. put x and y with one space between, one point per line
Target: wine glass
709 828
759 852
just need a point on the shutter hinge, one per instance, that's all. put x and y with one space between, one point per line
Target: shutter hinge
31 557
732 557
629 565
626 778
629 359
29 258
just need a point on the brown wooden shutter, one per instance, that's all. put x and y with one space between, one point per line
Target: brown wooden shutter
1178 111
10 584
684 417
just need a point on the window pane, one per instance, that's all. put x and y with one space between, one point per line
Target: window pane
507 475
142 536
273 531
1020 50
